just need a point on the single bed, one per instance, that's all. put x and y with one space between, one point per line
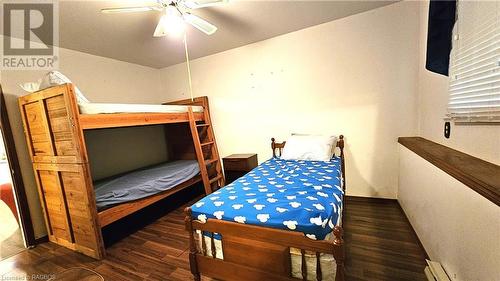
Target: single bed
300 196
287 214
144 182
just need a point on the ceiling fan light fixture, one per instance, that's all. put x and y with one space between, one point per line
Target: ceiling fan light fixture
171 23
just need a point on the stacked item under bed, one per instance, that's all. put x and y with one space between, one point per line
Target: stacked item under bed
296 195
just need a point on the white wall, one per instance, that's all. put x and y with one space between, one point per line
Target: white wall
118 150
479 140
457 226
101 80
356 76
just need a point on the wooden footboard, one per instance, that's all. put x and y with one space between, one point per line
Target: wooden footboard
270 257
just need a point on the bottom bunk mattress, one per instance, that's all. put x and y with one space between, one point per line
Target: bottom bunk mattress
143 182
301 196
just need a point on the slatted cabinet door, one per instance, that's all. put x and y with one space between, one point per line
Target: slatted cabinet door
69 207
56 146
50 119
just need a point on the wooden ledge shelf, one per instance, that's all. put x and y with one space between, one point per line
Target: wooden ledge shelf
113 120
481 176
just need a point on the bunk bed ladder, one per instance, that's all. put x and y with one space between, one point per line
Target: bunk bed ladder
211 181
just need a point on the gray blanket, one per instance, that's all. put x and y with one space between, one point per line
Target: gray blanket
143 183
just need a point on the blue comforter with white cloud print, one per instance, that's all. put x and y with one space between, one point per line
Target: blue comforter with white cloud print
304 196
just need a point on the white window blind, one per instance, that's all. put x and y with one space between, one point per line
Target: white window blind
475 63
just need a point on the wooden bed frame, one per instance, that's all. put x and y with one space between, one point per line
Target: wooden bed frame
54 130
269 247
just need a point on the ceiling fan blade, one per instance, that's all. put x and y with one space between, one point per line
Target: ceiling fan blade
201 24
130 9
197 4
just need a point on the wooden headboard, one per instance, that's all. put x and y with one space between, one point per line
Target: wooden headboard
277 145
340 144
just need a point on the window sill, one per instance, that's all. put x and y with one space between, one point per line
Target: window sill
481 176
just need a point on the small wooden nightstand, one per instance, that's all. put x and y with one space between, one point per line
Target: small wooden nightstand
237 165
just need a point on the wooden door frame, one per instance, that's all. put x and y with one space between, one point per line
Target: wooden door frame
15 173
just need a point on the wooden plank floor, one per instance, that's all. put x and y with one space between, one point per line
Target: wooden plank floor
381 244
380 247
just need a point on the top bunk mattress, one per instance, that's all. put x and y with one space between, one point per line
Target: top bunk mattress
303 196
108 108
143 182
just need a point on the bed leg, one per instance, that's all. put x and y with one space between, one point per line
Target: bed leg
339 253
192 246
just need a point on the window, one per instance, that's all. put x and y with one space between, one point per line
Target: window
475 63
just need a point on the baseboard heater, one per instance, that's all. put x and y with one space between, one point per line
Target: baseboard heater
435 271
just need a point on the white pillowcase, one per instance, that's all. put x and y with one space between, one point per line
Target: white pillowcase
309 147
54 78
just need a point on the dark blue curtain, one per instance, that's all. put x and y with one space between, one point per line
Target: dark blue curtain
442 16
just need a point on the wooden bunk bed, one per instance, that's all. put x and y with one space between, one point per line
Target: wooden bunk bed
54 130
270 257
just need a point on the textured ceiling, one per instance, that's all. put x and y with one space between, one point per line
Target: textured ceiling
128 37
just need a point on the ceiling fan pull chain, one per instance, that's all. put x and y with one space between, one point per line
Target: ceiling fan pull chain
188 68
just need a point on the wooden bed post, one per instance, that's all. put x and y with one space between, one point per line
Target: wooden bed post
275 145
339 253
340 144
192 246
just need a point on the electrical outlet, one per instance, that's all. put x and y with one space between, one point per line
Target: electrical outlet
447 129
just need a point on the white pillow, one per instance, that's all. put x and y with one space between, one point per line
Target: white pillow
309 147
335 149
54 78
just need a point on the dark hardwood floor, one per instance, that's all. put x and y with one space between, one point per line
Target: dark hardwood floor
380 246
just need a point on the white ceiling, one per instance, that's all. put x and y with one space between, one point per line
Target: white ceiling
128 37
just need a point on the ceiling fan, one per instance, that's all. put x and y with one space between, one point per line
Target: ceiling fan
175 14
